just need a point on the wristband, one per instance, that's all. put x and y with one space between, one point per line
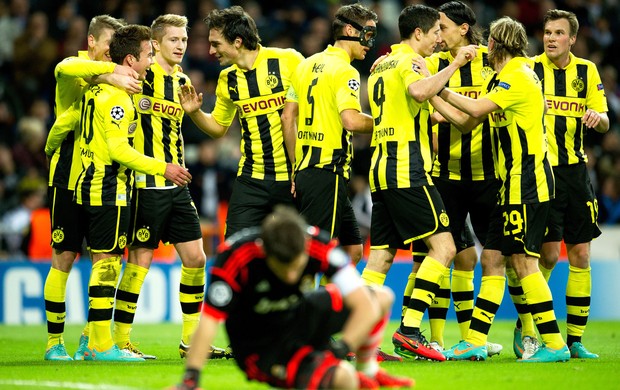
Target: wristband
190 379
339 348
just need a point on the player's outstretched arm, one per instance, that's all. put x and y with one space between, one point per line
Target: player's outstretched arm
478 108
463 122
428 87
63 125
198 352
191 103
177 174
123 77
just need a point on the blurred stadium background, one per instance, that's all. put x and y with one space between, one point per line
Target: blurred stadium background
36 34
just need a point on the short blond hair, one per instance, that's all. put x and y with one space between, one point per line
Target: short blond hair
158 27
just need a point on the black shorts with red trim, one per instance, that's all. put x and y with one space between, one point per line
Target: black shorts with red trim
302 361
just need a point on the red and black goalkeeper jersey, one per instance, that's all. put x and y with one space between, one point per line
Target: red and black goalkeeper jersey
258 307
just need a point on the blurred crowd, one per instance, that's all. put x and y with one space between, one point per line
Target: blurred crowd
37 34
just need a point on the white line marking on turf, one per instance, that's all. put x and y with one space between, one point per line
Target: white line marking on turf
64 385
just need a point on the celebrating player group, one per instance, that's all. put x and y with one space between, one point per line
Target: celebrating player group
459 128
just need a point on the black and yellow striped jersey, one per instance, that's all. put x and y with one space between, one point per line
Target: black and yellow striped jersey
569 92
402 140
70 86
521 149
257 95
159 126
463 156
107 122
324 85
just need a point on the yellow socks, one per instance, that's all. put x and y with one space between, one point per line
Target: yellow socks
54 294
191 295
127 301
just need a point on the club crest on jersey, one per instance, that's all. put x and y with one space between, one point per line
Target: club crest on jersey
144 104
354 84
486 72
117 113
577 85
272 81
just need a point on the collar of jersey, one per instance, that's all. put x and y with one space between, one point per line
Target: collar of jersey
551 65
402 48
157 69
514 63
259 58
336 51
83 54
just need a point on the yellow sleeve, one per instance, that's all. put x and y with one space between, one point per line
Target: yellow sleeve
118 114
74 67
63 125
123 153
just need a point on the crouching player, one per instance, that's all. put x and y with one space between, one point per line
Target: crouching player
264 276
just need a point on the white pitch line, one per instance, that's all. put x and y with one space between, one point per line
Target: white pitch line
64 385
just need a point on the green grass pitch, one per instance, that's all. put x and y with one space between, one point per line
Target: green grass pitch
22 365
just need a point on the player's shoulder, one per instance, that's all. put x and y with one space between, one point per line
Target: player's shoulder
583 61
108 96
240 238
282 53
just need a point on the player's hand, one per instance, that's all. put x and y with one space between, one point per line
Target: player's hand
124 70
177 174
591 118
189 99
125 79
466 54
419 65
436 117
378 61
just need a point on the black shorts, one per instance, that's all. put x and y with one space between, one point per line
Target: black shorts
107 228
323 201
518 229
401 216
168 215
252 200
69 222
302 357
574 211
419 249
463 197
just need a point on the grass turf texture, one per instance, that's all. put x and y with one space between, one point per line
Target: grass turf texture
22 365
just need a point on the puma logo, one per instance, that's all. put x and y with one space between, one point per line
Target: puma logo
490 317
457 305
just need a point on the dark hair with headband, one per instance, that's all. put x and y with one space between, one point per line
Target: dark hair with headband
355 15
460 13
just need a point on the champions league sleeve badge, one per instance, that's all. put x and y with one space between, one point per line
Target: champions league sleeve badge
354 84
117 113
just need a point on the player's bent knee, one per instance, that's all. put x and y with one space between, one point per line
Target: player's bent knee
345 377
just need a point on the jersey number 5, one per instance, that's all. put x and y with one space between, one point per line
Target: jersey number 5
310 119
